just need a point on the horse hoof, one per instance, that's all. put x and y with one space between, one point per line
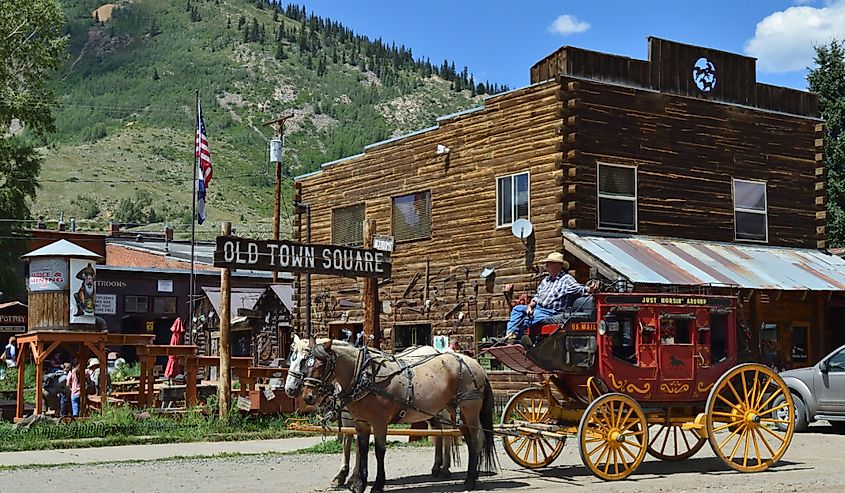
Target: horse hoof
358 487
435 473
445 474
469 485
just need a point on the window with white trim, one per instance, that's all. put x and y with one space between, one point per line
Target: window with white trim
512 200
617 197
750 210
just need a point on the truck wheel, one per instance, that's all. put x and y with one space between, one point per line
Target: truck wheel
801 423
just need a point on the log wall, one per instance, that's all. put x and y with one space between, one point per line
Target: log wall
515 132
687 151
48 311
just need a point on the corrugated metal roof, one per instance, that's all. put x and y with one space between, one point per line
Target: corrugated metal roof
240 298
285 294
649 260
62 248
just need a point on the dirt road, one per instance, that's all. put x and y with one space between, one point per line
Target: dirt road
814 463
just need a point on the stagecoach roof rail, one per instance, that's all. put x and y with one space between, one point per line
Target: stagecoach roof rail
677 316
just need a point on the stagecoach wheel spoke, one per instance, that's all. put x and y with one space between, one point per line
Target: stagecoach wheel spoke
528 449
683 448
618 422
737 424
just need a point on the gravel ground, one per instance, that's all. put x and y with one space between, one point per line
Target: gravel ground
813 463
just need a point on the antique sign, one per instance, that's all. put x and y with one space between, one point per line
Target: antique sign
13 323
48 274
289 256
105 304
82 291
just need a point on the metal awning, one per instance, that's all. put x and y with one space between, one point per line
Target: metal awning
671 261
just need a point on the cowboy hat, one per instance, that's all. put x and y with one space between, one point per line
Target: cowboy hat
556 257
93 362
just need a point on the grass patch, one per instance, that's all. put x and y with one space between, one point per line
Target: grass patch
119 426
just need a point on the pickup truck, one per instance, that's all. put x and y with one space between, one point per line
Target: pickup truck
818 392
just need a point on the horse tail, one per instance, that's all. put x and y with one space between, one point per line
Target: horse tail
488 461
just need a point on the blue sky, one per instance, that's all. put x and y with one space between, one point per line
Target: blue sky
499 41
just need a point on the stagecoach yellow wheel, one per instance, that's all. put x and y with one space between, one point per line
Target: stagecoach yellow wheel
743 412
528 449
613 436
670 442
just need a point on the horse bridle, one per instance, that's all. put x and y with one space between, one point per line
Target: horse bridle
323 388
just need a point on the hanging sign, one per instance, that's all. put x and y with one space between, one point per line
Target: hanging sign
48 274
82 291
289 256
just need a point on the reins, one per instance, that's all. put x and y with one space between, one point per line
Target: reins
363 383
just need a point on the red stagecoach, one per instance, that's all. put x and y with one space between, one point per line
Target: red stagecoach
630 374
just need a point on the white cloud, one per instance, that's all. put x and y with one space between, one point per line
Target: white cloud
568 24
783 41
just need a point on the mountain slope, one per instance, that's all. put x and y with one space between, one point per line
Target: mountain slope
125 121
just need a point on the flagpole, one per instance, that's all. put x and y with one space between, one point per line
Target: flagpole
194 219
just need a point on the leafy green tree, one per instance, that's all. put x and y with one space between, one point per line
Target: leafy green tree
827 79
31 50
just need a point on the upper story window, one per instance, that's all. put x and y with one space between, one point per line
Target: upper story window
617 197
411 216
750 210
512 194
348 225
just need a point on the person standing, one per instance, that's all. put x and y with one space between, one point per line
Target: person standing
73 385
551 299
10 357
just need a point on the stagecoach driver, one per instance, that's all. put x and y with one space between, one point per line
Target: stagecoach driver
552 295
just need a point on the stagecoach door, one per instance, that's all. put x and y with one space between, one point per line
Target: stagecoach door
677 348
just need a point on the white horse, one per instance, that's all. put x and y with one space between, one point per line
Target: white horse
444 446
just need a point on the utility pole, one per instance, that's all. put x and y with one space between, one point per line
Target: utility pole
276 148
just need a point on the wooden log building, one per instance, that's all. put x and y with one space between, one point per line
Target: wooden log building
684 149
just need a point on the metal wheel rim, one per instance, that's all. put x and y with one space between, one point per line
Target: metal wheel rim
683 444
613 436
527 449
742 420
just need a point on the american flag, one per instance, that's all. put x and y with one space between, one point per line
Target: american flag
204 171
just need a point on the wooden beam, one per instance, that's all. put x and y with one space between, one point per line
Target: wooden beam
370 294
819 142
224 389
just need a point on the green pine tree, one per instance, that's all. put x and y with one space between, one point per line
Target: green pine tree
827 79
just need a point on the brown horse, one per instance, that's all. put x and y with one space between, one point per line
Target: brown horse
378 390
445 447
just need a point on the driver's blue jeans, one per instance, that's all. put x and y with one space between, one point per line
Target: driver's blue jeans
520 320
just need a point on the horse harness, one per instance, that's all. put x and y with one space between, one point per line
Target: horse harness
365 373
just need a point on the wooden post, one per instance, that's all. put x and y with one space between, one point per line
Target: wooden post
21 361
39 379
370 294
224 389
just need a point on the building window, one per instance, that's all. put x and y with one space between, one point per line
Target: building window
411 216
617 197
405 336
136 304
164 304
511 198
750 210
348 225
